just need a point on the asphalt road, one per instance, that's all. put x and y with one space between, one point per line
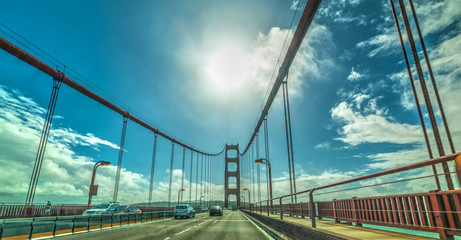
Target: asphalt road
232 225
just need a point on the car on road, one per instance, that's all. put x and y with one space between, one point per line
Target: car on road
216 210
234 208
100 208
120 209
184 211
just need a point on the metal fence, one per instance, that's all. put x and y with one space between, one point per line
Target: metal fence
38 210
28 228
434 211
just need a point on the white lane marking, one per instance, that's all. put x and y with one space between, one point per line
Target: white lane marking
166 238
214 221
182 232
202 222
234 220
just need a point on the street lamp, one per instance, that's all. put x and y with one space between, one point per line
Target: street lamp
243 200
94 188
265 161
249 197
201 200
179 192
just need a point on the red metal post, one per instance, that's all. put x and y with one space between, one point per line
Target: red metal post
92 186
440 221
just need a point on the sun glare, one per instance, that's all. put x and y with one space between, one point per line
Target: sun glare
228 68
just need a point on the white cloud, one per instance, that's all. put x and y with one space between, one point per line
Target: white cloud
340 12
323 145
432 16
371 124
353 76
381 44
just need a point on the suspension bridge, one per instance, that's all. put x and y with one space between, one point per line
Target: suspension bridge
435 211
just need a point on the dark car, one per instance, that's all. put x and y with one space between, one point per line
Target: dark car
120 209
234 208
216 210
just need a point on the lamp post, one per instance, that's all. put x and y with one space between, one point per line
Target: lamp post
94 188
201 200
243 200
249 198
265 161
179 192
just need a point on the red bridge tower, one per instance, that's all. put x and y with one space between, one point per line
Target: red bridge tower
232 159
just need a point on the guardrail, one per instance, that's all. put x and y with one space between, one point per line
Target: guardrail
430 212
436 211
38 210
27 228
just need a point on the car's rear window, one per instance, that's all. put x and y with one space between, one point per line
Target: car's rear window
116 208
181 207
215 207
102 206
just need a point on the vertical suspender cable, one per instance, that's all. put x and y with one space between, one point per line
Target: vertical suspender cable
190 181
182 177
252 171
196 179
171 173
154 152
57 82
201 177
293 172
288 138
429 68
258 168
266 151
415 94
425 93
120 157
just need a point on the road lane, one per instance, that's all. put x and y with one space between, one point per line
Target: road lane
233 225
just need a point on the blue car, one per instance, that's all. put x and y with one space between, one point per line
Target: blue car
184 211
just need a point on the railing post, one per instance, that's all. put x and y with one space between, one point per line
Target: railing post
354 212
281 209
440 221
54 228
73 224
312 208
334 210
31 228
458 168
267 207
1 228
318 210
302 212
88 227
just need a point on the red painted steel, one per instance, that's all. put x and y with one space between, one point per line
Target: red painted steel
227 174
306 19
35 62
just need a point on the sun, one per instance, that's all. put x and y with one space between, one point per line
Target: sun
228 68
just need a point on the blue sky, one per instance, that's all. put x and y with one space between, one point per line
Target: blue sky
199 70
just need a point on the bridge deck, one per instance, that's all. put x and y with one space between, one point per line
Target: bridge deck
348 230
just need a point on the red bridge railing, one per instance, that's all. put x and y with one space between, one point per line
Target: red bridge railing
434 211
